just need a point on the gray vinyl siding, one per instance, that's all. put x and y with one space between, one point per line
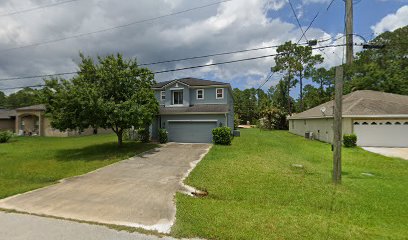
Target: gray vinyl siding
190 96
186 95
157 94
194 127
209 96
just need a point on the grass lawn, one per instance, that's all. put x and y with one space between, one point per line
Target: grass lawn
27 163
255 193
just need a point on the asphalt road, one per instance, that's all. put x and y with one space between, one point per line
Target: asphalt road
28 227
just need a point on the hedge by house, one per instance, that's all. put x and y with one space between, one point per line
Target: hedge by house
5 136
350 140
163 135
222 135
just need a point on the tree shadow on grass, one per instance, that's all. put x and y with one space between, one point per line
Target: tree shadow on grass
105 151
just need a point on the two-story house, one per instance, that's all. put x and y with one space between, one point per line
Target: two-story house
190 108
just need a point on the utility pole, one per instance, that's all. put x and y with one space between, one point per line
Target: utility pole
338 98
337 125
349 31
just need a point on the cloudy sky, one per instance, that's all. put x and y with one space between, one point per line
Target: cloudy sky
29 28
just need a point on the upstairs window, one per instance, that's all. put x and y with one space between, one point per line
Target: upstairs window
178 97
163 95
219 93
200 94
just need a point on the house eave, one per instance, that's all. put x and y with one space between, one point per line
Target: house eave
352 116
194 113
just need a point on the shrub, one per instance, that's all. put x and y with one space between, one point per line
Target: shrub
273 118
163 135
144 135
222 135
350 140
5 136
236 121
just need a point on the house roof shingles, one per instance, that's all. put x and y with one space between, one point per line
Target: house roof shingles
362 103
7 113
203 108
191 82
39 107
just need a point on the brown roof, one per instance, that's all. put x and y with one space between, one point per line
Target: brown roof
7 114
362 103
39 107
191 82
201 108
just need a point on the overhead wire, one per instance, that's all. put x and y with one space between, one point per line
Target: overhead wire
36 8
183 68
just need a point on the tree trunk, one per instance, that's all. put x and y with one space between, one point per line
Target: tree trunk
120 137
119 134
288 95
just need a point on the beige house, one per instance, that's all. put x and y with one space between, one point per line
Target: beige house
31 121
378 119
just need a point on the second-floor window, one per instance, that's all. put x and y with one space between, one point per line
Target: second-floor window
200 94
219 93
178 97
163 95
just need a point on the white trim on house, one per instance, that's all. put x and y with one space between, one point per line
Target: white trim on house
195 113
210 86
378 116
216 93
174 81
162 94
204 120
176 89
352 116
202 94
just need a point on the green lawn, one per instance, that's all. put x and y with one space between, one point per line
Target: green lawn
27 163
255 193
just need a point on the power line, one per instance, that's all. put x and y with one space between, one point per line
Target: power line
181 69
210 55
112 28
154 63
297 20
36 8
268 77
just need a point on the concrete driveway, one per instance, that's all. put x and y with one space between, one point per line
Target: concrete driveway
137 192
389 152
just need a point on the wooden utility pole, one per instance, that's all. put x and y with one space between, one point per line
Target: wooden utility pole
337 125
349 31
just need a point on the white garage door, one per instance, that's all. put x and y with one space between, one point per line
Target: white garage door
191 131
392 133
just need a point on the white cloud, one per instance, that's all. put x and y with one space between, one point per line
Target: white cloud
392 21
230 26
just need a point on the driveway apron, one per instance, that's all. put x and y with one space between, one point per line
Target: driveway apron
138 192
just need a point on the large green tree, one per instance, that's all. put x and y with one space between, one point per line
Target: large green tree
22 98
297 63
383 69
113 93
3 99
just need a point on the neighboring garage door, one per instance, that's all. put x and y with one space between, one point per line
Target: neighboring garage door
371 133
191 131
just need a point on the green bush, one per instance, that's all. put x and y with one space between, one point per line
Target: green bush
222 135
350 140
236 121
163 135
144 135
5 136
